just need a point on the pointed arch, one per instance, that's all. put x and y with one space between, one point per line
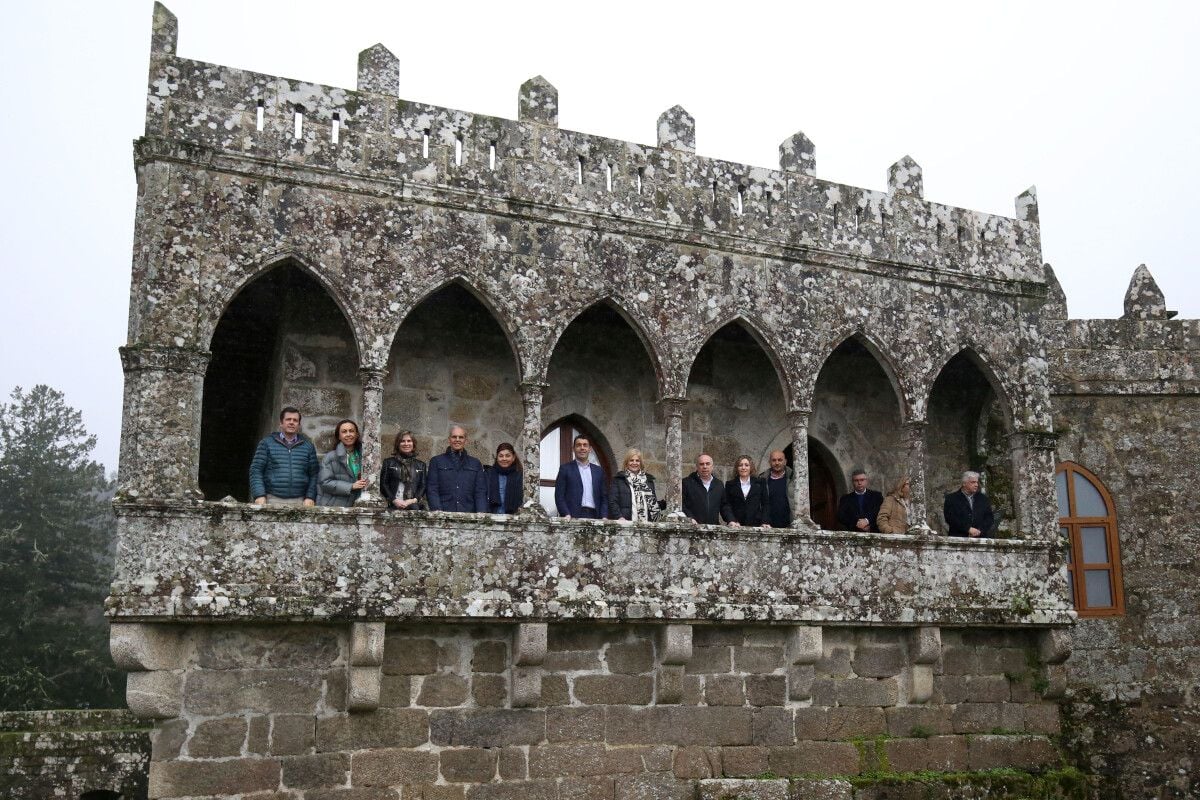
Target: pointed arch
755 329
882 357
279 260
638 323
506 324
283 339
975 356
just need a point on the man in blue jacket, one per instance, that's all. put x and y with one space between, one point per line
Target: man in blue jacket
284 468
581 488
456 481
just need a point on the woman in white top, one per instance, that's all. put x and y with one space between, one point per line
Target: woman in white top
745 497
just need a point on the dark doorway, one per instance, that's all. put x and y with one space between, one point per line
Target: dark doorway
822 487
242 384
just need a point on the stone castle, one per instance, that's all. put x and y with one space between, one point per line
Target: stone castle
411 266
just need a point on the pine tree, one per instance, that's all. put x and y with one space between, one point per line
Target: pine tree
56 535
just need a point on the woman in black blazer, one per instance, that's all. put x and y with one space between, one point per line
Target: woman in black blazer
746 498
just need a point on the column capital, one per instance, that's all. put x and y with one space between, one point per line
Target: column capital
533 386
798 416
672 406
135 358
915 424
372 377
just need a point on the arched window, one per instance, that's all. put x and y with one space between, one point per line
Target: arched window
1088 522
556 451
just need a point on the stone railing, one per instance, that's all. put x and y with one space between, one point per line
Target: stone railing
240 562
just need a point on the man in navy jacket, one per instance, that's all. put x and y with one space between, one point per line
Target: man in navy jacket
456 481
968 511
857 511
581 488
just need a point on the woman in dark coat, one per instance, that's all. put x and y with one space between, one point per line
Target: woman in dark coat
745 498
340 480
402 478
633 496
504 481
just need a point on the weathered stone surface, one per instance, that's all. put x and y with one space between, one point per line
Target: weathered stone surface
385 727
154 695
487 728
634 658
211 692
575 725
468 765
727 789
724 690
217 738
443 690
614 689
814 758
558 760
389 767
235 776
678 725
316 771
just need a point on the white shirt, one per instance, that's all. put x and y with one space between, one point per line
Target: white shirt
745 488
585 477
707 483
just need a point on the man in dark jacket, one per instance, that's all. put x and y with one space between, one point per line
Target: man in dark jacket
703 495
284 468
858 510
456 481
968 511
779 480
580 490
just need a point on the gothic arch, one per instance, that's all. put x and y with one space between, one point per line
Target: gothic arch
878 351
637 322
755 330
976 357
280 260
491 306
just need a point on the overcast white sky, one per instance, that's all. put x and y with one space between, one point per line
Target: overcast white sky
1095 103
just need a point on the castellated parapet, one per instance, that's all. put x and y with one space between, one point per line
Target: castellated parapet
411 266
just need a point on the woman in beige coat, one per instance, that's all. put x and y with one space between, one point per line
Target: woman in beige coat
893 514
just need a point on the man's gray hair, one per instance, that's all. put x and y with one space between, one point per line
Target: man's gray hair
454 426
968 475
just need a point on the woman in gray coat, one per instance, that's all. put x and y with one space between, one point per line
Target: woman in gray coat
340 481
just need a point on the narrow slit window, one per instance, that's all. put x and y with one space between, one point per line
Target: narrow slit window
337 123
458 151
741 198
259 113
937 230
835 215
641 173
298 122
958 234
492 155
425 144
608 177
579 171
769 200
883 223
714 193
857 219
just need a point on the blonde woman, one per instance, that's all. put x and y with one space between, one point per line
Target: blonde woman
893 514
633 495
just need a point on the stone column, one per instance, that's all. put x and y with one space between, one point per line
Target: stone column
372 432
918 513
672 411
801 499
160 431
1035 502
531 447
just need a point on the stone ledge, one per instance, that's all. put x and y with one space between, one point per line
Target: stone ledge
213 560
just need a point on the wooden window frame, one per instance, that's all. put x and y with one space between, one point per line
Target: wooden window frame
1074 524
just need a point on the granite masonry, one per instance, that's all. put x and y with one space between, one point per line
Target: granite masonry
411 266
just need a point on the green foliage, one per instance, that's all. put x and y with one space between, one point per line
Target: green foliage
56 533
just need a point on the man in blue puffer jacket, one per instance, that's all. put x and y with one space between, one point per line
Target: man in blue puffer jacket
284 468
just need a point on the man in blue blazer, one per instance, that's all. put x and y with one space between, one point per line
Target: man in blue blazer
581 488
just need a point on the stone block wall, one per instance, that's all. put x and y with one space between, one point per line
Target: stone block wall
51 754
1127 402
607 711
